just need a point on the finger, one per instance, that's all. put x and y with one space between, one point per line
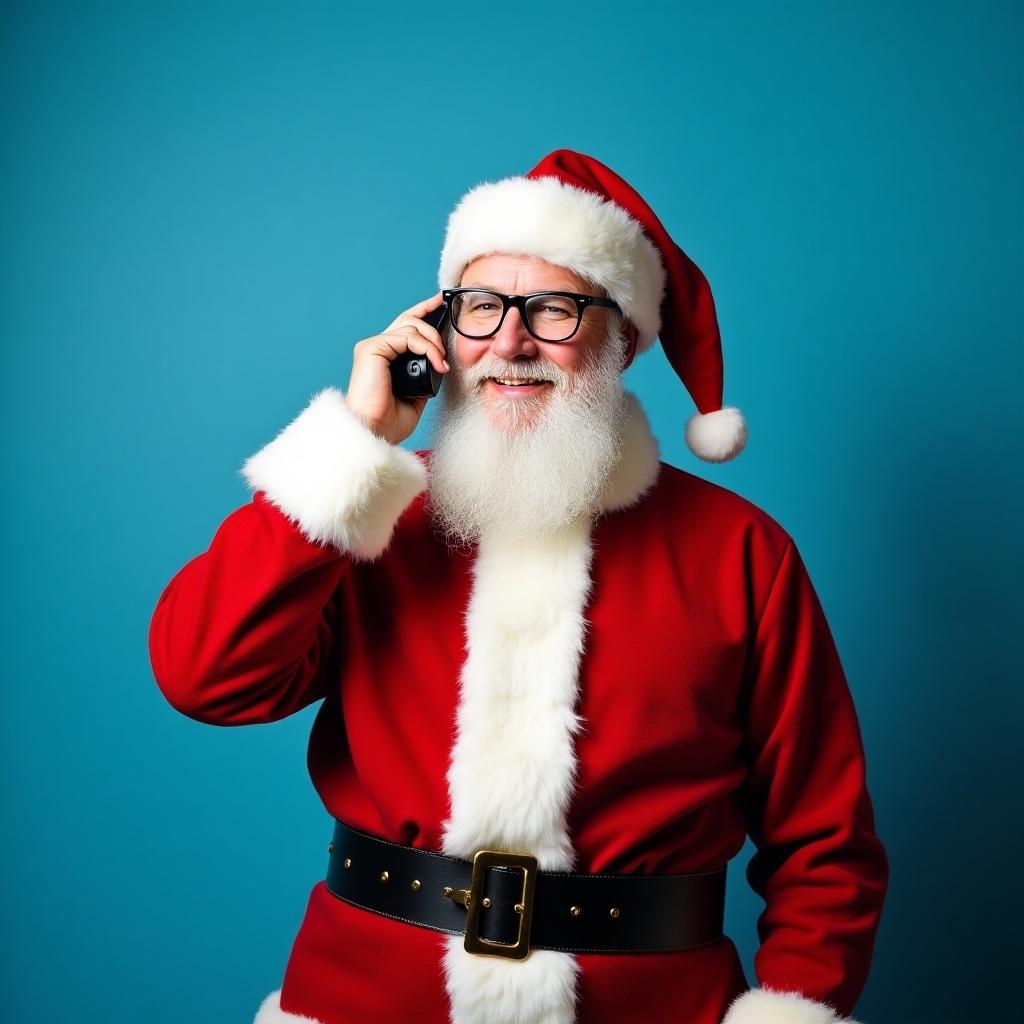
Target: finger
421 327
417 328
397 342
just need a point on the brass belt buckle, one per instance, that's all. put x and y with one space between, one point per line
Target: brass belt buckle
482 860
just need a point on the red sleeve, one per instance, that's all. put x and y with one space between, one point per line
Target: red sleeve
819 865
245 632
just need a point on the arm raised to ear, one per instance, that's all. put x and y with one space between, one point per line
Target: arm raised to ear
246 631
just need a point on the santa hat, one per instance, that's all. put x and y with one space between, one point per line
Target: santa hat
573 211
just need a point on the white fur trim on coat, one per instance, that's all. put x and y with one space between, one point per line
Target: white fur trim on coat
564 225
270 1012
769 1006
638 465
488 990
338 481
513 765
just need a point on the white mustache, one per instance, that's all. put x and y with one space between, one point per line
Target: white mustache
490 366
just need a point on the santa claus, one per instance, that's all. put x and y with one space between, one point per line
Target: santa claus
561 680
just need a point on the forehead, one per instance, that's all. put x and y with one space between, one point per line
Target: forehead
512 272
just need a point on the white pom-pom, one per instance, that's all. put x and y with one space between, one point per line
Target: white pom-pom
717 436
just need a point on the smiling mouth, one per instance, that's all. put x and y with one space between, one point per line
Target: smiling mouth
516 381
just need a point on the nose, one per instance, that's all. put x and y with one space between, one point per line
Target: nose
513 341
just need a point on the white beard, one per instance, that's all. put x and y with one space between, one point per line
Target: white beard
544 464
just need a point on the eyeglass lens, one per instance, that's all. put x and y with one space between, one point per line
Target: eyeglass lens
549 317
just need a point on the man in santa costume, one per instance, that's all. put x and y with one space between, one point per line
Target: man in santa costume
538 640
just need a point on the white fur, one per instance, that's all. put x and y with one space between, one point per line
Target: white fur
769 1006
270 1012
336 479
513 766
565 225
638 464
717 436
488 990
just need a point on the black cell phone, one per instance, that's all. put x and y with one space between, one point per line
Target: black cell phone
412 376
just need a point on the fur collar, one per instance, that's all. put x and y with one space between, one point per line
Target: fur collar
637 468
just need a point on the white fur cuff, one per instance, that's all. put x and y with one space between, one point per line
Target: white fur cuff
336 479
768 1006
270 1012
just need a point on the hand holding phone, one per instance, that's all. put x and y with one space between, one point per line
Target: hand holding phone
412 375
391 401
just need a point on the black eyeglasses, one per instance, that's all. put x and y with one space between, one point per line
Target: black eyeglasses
548 316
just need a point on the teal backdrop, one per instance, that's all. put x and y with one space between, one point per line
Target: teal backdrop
205 205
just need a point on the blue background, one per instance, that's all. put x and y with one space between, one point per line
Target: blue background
204 206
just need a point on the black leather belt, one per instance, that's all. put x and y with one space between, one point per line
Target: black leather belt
505 905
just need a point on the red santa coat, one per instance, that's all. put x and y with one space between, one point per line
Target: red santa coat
634 695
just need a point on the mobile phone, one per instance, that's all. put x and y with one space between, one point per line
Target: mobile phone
412 376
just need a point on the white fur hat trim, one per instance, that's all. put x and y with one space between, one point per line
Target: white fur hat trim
564 225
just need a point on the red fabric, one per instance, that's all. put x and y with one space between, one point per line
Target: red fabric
689 325
714 703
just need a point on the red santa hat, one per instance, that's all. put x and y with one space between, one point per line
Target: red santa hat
574 211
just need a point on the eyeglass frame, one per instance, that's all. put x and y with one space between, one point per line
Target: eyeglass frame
583 302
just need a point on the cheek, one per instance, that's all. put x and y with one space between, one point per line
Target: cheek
466 352
568 357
